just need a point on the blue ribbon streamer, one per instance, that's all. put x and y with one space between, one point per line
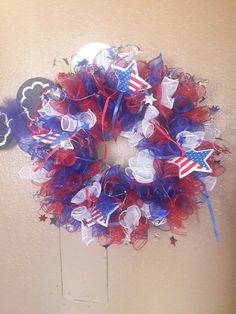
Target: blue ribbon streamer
85 159
213 221
115 113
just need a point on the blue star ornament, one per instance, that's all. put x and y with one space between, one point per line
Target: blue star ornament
83 63
193 160
214 109
100 216
128 78
106 213
123 76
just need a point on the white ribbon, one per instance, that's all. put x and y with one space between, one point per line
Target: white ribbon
130 220
142 128
141 167
48 110
146 211
93 190
190 140
86 235
81 213
147 127
210 182
211 132
39 176
134 136
168 88
131 217
71 124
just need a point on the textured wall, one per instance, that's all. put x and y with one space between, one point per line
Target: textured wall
198 276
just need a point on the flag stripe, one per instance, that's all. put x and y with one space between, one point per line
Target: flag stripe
187 164
136 80
201 167
53 137
46 141
132 89
189 168
95 216
184 162
47 138
134 83
179 160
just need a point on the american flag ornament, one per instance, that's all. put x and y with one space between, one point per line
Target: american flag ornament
89 217
96 216
128 78
193 160
100 216
54 139
47 137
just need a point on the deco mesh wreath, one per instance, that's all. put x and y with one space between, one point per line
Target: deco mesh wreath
159 110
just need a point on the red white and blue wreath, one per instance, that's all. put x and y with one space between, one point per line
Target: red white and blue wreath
109 92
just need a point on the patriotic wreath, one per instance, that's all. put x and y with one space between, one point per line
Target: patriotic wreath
105 93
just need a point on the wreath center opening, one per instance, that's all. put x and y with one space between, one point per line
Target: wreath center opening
119 152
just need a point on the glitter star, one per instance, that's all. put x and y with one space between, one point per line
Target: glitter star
83 63
149 99
42 217
214 109
66 144
53 221
173 240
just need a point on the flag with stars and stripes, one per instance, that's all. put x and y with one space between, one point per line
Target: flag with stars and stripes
51 138
96 216
128 78
100 216
193 160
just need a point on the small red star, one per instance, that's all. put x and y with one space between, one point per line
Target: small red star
66 61
42 217
173 240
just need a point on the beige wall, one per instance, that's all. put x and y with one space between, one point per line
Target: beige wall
198 276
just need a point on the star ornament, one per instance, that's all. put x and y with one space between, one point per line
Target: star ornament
128 78
149 99
100 216
106 214
42 217
193 160
66 144
53 221
61 139
173 240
